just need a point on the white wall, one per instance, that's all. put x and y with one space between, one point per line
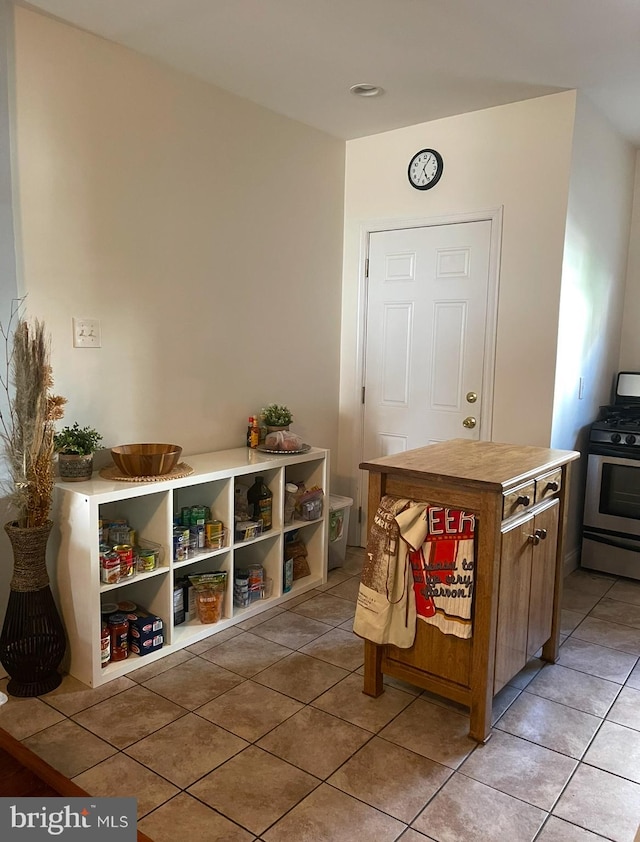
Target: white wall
630 344
517 157
8 283
204 232
593 289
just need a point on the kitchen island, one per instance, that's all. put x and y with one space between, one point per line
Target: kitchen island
518 495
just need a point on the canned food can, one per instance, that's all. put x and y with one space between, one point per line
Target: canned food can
107 609
146 560
125 552
241 589
256 581
126 607
110 567
119 533
197 515
214 534
180 543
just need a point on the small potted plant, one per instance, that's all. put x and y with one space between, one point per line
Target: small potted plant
75 447
276 417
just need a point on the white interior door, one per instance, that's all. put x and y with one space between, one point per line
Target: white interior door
425 336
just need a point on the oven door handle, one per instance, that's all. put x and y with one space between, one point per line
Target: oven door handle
619 451
611 541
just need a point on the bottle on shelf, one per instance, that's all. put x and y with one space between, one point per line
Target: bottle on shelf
250 424
260 501
262 426
255 433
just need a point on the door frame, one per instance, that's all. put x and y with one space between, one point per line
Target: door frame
368 227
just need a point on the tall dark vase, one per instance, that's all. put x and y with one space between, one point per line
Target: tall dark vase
32 643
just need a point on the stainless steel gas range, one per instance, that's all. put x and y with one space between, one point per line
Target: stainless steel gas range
611 531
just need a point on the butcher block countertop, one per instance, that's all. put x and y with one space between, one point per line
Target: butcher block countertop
473 463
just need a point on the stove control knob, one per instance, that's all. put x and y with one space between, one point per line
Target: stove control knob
616 438
630 439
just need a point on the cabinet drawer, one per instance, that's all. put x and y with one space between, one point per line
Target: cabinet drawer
518 500
548 484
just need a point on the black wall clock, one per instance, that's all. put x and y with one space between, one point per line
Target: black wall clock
425 169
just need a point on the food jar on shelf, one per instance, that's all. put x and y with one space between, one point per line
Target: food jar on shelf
105 644
119 632
290 496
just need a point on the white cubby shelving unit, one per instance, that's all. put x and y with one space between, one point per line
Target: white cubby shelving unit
149 507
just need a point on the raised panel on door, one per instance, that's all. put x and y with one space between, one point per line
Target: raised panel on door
543 574
443 655
513 602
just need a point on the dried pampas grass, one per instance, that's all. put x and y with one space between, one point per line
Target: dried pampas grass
28 431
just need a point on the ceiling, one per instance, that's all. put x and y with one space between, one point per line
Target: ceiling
433 58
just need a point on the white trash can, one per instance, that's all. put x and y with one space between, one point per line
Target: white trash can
339 508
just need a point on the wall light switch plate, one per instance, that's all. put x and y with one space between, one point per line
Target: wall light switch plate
86 333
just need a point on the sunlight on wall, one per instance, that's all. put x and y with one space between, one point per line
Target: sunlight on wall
577 314
589 304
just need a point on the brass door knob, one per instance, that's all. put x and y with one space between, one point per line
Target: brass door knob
469 422
472 397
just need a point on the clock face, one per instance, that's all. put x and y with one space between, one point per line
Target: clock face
425 169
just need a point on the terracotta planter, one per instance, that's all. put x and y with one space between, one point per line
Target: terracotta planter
33 641
74 468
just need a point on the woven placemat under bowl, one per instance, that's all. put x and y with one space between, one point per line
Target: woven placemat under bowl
180 470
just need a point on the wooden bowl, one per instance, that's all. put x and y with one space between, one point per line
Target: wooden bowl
146 460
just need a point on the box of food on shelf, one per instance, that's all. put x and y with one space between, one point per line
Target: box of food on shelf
145 647
143 625
246 529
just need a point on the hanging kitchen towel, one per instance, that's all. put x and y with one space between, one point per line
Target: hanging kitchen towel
385 610
441 552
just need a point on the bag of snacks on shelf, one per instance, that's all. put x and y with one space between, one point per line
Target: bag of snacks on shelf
297 552
283 440
209 588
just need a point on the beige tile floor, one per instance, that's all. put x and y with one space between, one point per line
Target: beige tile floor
262 732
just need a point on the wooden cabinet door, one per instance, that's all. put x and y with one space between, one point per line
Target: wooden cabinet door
513 602
543 576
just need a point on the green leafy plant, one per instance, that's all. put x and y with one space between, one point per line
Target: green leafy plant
275 415
76 440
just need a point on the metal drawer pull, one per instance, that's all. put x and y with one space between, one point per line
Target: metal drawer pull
552 486
541 533
523 500
534 539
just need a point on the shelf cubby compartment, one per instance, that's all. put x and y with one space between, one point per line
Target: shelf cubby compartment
219 562
313 534
217 495
203 555
273 479
147 514
153 595
268 554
